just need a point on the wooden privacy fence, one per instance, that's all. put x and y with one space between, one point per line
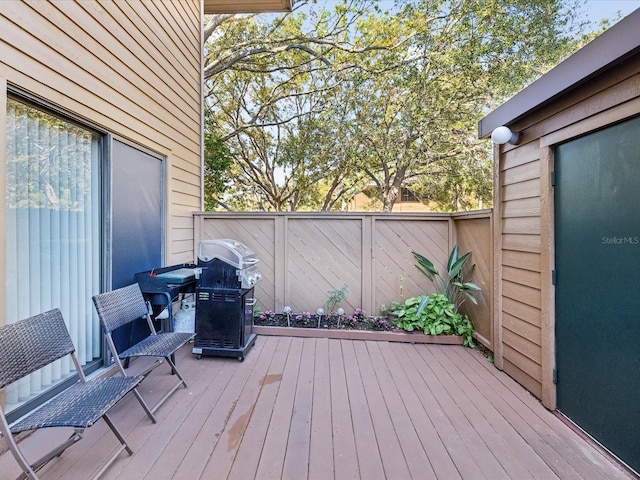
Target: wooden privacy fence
303 256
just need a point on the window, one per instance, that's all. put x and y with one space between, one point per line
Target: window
53 231
407 195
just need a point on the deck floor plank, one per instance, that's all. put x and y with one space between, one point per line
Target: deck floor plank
404 375
508 436
321 465
549 436
388 375
442 385
497 435
271 462
239 414
250 448
201 381
389 445
212 426
367 450
439 413
296 460
344 438
177 444
331 409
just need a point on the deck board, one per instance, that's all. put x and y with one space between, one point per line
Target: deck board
389 446
321 462
413 452
332 409
366 445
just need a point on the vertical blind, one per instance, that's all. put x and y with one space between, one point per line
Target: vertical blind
52 227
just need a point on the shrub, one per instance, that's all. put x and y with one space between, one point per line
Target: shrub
435 315
453 286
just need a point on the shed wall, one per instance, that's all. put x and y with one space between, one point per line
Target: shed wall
130 68
524 299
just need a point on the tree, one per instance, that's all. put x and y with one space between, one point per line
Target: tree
317 107
460 57
274 101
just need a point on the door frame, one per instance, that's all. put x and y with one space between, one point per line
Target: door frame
547 146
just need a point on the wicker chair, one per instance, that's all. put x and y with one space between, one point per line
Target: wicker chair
124 305
33 343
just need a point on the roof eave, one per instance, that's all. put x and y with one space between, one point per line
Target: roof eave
212 7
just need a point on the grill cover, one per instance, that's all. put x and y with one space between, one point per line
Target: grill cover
233 253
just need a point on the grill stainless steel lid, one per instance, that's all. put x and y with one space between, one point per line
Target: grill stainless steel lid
234 253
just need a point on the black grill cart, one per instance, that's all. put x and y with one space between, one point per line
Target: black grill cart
225 299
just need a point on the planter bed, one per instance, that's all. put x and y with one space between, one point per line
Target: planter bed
348 334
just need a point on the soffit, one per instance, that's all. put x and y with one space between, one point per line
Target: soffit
246 6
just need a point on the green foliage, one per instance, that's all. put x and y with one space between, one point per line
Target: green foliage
217 163
434 315
453 285
318 105
334 297
393 308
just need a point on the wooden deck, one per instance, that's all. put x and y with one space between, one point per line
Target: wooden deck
333 409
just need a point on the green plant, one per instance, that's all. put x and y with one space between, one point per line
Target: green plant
453 286
334 297
435 315
393 308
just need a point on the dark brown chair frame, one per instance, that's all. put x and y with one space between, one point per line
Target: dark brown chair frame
33 343
125 305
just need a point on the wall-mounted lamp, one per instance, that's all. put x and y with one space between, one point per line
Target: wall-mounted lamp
502 135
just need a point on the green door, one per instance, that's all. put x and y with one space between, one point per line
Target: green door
597 231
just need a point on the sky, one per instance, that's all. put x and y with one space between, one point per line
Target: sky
598 9
595 9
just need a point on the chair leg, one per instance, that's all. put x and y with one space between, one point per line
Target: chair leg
123 446
28 471
145 406
175 370
174 388
117 433
75 437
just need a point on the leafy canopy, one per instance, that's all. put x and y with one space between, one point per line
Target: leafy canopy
319 104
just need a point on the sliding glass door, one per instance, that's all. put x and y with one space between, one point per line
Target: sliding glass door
53 231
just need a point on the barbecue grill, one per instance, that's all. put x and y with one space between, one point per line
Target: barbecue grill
224 298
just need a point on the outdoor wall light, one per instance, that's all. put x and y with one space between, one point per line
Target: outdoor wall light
502 135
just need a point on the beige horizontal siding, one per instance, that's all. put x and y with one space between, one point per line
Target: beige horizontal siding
520 279
523 371
527 189
129 67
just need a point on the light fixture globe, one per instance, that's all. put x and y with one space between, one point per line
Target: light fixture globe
502 135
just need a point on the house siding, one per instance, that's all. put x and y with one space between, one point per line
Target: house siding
130 68
524 214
